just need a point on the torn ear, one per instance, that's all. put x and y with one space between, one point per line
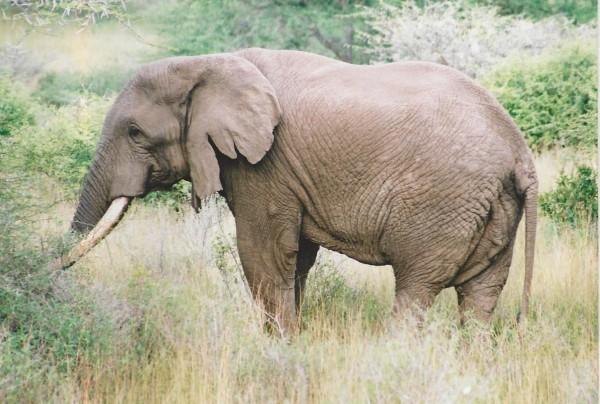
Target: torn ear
232 102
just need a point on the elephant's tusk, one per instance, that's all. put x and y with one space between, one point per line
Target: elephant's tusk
110 219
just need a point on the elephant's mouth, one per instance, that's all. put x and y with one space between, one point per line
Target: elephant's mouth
109 220
161 180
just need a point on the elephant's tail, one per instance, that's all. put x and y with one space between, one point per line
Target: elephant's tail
531 197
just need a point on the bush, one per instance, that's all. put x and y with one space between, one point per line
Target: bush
63 148
46 325
54 327
15 61
65 88
329 299
15 112
81 12
552 98
176 197
199 27
579 10
575 199
469 38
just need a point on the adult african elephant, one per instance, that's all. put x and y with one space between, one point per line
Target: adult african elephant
408 164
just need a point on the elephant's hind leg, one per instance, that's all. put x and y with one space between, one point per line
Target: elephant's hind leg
487 268
478 296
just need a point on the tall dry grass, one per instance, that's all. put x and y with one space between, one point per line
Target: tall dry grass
189 332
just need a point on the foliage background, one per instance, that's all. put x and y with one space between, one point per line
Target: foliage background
155 315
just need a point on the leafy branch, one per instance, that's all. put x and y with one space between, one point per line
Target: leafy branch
61 12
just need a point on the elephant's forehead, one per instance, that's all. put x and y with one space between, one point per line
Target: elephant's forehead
153 115
143 111
156 82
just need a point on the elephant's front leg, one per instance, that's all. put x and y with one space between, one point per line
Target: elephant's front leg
268 248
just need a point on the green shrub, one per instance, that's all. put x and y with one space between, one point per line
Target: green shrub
580 11
65 88
575 199
175 198
64 146
552 98
198 27
329 298
47 325
15 111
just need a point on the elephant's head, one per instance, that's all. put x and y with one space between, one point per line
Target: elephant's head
167 124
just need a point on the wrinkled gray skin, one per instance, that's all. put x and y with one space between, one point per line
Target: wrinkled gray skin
408 164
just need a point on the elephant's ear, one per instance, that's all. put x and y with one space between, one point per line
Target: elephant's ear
232 103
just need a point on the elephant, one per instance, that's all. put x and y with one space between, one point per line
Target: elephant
409 164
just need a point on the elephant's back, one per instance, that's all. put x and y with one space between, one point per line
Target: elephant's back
401 117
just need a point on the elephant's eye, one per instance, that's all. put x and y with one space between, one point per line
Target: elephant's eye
134 132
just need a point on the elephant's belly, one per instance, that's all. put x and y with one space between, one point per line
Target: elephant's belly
362 252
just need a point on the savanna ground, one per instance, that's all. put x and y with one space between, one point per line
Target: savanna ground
159 311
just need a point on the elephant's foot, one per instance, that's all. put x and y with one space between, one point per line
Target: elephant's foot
278 306
472 308
279 310
413 302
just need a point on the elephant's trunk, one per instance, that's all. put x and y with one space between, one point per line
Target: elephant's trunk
96 213
95 194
